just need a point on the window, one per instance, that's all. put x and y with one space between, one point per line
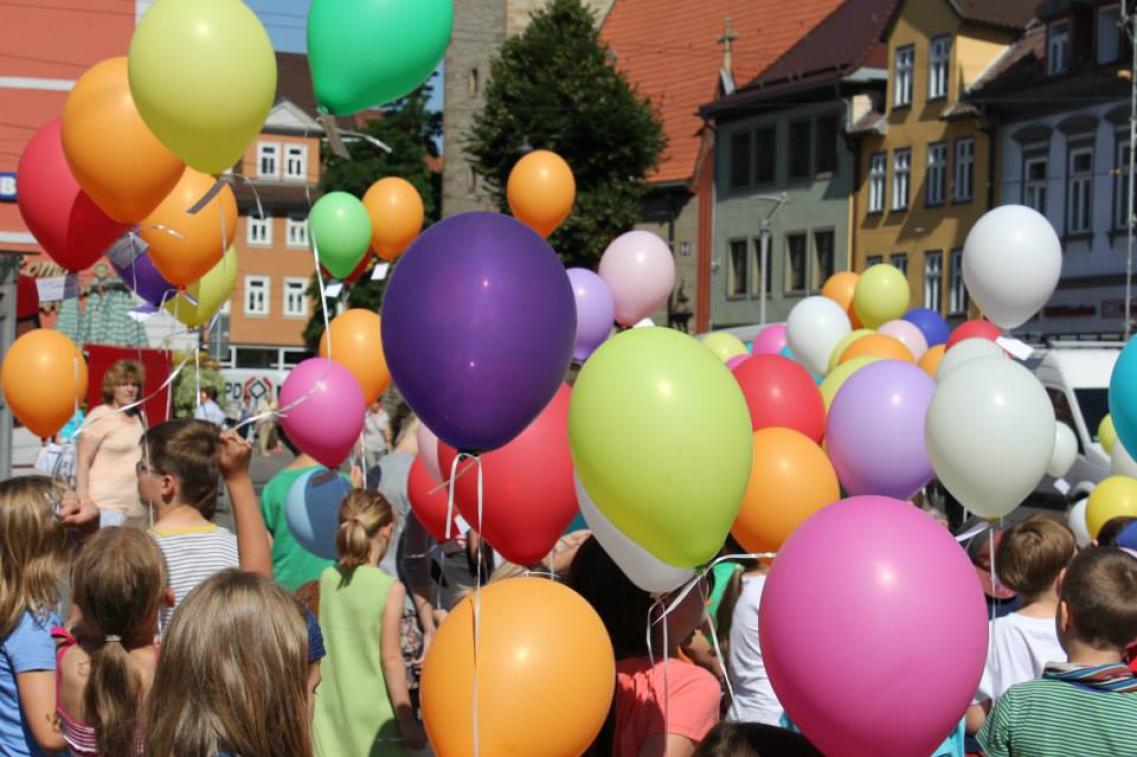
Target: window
824 264
1121 209
1109 34
878 169
260 230
296 232
256 295
957 292
935 179
827 144
800 144
741 159
1034 183
872 260
472 83
766 150
760 272
1078 192
737 273
964 185
268 160
1058 47
902 78
938 55
296 162
296 298
795 263
933 279
899 261
901 168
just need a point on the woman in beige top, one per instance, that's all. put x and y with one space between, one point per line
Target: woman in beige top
109 449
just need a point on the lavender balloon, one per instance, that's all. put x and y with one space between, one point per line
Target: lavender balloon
875 431
595 311
142 277
479 322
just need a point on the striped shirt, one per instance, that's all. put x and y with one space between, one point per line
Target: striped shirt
192 555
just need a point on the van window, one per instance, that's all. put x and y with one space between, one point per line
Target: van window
1094 404
1063 412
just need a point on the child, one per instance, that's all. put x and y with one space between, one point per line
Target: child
754 740
233 677
1088 705
754 697
363 706
1029 559
106 662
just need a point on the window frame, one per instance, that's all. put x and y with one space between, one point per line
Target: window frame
256 222
293 222
936 172
303 160
963 169
756 270
1117 34
902 258
772 130
788 269
827 148
937 255
291 283
902 95
264 147
1073 180
871 260
942 64
265 288
816 276
799 127
733 292
896 182
1055 65
748 135
874 175
956 284
1031 158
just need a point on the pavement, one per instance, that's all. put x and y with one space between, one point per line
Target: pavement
261 469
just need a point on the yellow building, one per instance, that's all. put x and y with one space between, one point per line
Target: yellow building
925 169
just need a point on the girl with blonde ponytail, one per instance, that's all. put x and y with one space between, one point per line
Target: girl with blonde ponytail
363 705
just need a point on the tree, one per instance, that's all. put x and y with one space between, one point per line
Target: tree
553 87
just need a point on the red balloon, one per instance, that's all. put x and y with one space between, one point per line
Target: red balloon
72 229
430 500
529 497
781 393
975 329
354 275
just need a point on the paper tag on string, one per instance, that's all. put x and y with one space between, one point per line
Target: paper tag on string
645 323
142 313
380 271
126 249
1062 485
333 289
1018 349
58 288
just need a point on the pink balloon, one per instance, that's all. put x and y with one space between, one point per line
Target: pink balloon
640 273
428 450
736 361
770 340
865 597
908 334
328 416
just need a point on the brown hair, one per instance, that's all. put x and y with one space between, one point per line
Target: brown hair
118 580
187 450
1033 552
232 676
1100 590
33 549
1112 528
362 514
753 740
121 372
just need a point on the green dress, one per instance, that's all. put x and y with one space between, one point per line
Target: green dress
354 717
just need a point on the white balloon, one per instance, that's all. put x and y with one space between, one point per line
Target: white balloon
1065 450
1011 263
1076 520
813 329
964 351
990 434
644 569
428 450
1121 463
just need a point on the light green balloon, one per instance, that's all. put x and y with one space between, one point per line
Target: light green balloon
340 229
661 440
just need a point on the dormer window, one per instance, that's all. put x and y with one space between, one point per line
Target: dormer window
1058 48
1109 34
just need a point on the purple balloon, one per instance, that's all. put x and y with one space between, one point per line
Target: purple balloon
770 340
479 322
142 278
595 311
875 430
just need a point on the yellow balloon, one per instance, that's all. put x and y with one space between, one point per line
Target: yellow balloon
207 294
839 350
203 76
1106 434
725 345
836 378
1116 495
882 294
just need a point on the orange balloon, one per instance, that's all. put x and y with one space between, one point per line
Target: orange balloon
357 345
545 673
111 151
396 212
790 479
877 345
931 359
541 191
840 287
44 378
854 321
184 246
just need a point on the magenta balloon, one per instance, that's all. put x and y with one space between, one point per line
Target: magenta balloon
867 596
327 422
595 311
875 430
735 361
770 340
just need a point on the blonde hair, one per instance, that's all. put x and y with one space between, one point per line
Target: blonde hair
121 372
362 514
118 580
232 676
33 549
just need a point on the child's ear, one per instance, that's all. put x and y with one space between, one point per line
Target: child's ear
1063 617
169 597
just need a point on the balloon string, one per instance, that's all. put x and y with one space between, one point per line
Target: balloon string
702 574
197 374
478 600
323 294
718 651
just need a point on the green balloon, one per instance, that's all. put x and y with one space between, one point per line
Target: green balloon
366 53
661 439
340 230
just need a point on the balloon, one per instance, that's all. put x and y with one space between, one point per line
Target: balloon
814 328
430 500
184 246
141 277
67 223
736 361
841 346
356 274
595 311
932 360
44 377
779 392
528 497
478 328
1065 451
1123 396
640 272
203 75
990 434
541 191
840 287
312 510
890 578
790 480
341 232
724 344
1121 463
428 450
1113 497
207 295
882 294
366 53
962 352
1076 520
1107 435
839 375
1011 263
641 394
529 632
770 340
908 334
396 212
973 329
357 346
931 324
327 417
877 345
875 430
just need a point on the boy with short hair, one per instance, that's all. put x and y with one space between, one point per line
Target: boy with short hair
1087 706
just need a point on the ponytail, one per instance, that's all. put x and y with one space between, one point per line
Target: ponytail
362 514
111 700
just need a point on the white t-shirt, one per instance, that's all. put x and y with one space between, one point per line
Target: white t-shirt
1020 648
754 698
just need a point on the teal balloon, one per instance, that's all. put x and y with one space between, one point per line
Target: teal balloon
366 53
1123 396
340 229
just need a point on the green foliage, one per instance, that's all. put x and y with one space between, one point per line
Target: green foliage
185 385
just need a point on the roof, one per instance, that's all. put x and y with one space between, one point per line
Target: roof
872 122
668 50
1006 14
294 84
